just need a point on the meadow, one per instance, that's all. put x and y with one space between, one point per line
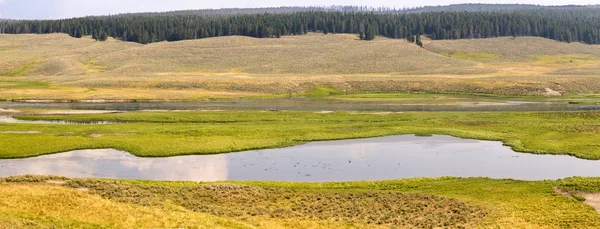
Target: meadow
328 68
244 67
160 134
38 202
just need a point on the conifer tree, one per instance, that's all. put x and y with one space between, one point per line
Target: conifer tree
418 41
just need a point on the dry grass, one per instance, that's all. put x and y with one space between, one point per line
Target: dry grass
247 66
311 54
520 49
47 206
50 202
390 209
42 202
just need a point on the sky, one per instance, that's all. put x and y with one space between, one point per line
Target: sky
56 9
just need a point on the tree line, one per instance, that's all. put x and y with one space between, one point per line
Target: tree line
571 24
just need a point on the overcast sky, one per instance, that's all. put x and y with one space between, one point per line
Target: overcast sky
53 9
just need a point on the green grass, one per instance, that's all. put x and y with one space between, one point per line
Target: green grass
565 59
159 134
22 70
409 203
13 84
475 56
320 91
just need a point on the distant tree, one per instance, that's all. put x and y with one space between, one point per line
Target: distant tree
370 32
410 37
361 31
102 36
95 34
418 41
78 32
568 24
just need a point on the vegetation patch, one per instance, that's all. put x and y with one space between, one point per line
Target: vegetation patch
160 134
320 91
241 201
475 56
93 67
22 70
13 84
572 59
409 203
51 206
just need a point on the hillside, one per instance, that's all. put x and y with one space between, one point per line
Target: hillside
58 66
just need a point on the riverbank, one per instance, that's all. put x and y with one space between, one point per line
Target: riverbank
163 134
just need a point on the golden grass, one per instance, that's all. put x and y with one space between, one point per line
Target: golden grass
476 56
520 49
38 202
47 206
295 64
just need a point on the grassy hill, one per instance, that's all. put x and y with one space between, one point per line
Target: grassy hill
60 67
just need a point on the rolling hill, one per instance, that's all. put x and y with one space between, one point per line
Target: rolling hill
244 66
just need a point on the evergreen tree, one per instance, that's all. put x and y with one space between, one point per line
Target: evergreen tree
568 24
418 41
410 37
102 36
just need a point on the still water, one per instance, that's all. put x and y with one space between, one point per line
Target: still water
315 104
9 119
383 158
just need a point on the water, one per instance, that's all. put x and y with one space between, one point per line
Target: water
9 119
315 104
382 158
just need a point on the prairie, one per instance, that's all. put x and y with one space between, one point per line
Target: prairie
241 67
418 203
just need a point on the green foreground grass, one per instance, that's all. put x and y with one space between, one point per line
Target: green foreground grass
38 202
160 134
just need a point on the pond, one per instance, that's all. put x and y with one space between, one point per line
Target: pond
383 158
316 104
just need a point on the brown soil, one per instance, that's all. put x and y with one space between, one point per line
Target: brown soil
592 199
562 192
59 182
8 111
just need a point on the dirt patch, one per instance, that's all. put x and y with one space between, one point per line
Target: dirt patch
106 135
8 111
550 92
58 182
324 112
592 199
83 189
562 192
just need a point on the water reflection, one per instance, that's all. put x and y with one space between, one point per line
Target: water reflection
383 158
110 163
310 104
9 119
